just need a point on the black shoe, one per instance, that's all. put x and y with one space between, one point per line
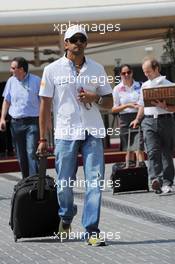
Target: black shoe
158 191
156 186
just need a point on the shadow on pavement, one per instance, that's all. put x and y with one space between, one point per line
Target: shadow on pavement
159 241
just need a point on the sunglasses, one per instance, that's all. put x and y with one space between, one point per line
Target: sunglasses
127 72
74 39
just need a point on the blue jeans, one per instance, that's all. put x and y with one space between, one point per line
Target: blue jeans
66 166
25 134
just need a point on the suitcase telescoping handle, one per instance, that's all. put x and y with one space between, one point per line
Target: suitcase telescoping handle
41 177
130 130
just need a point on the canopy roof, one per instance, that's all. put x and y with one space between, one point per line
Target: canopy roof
38 22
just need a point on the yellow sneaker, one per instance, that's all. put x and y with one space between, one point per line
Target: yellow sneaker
95 241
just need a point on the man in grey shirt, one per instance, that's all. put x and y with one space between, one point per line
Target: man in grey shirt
157 128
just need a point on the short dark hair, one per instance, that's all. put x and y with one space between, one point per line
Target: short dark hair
125 65
22 63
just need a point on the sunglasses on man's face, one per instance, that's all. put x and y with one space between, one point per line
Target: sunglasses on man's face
74 39
127 72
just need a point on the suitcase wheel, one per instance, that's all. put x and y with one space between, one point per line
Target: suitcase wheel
15 238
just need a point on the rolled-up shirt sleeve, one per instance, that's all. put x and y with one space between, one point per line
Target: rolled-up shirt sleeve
6 94
47 84
141 101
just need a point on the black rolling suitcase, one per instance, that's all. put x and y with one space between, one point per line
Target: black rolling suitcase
125 178
34 206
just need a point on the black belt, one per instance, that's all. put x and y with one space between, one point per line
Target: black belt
29 118
159 116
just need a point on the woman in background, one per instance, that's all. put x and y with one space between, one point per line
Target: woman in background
126 95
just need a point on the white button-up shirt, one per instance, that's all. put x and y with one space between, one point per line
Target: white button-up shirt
71 117
123 94
157 82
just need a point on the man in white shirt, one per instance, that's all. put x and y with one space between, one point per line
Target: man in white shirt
157 128
74 83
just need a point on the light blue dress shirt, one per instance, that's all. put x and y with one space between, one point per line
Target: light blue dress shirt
23 96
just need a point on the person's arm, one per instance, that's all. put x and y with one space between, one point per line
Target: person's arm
5 107
171 108
45 108
163 105
103 95
104 101
138 118
117 109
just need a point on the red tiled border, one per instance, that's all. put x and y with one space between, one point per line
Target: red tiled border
11 165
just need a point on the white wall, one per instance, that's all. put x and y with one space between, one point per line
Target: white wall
131 55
